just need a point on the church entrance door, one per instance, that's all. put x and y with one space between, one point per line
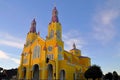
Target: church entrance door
36 72
62 75
50 72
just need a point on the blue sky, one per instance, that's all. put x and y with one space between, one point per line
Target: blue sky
94 26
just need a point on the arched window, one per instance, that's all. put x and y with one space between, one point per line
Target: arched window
24 73
74 76
36 52
51 34
59 34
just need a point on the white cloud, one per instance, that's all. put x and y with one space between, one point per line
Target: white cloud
73 37
11 43
16 60
104 28
108 16
4 56
9 40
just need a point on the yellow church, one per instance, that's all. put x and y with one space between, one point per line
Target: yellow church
46 59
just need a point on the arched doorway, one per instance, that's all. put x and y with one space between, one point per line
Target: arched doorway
62 75
35 72
50 72
24 73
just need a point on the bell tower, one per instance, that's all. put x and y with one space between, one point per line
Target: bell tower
54 43
32 34
54 28
54 37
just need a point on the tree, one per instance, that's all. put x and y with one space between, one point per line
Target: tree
1 69
86 74
1 73
115 75
108 76
93 72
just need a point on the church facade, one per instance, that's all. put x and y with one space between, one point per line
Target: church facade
46 59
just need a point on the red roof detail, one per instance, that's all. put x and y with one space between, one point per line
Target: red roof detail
83 57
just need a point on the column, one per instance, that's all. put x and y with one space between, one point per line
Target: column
56 63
